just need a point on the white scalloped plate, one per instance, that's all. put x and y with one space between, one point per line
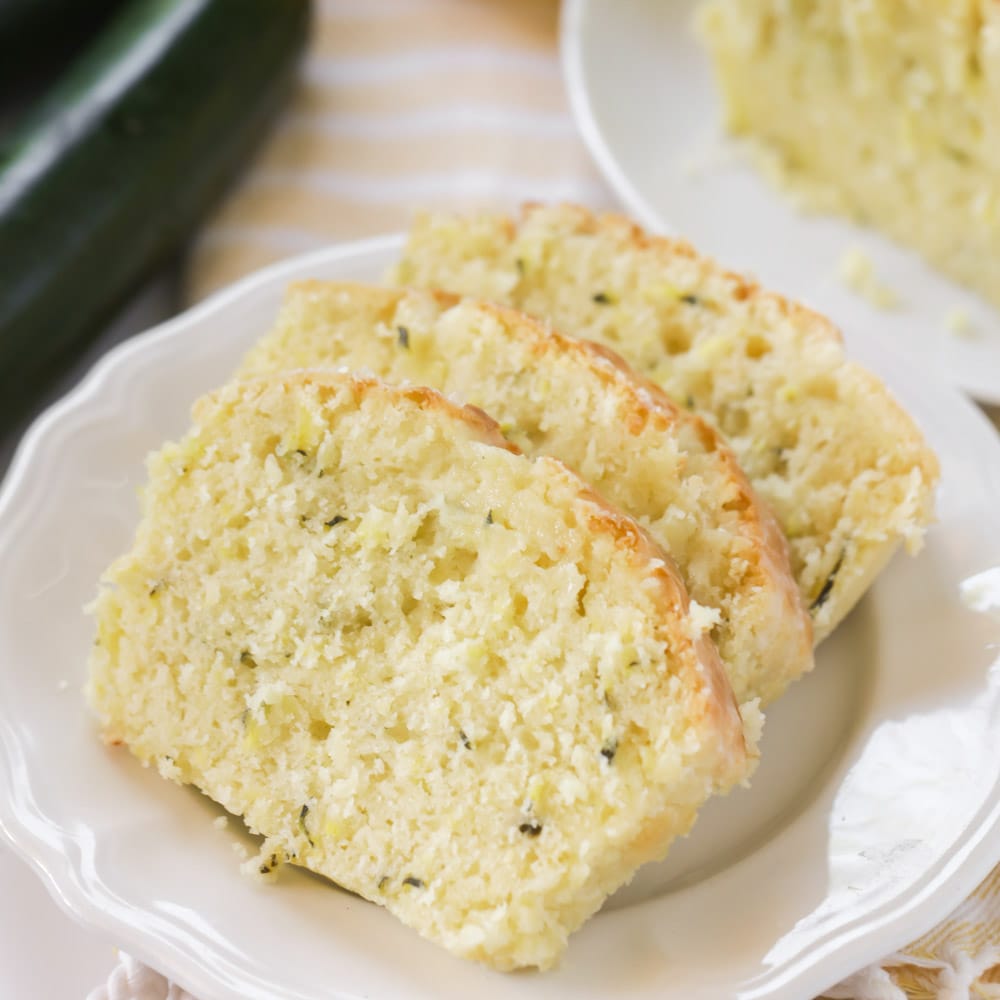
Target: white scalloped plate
642 94
875 810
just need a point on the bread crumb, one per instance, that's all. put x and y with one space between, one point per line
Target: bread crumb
753 729
857 271
702 619
712 155
982 592
263 866
251 868
220 822
958 322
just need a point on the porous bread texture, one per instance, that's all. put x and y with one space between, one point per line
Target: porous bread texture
821 439
880 110
442 674
582 405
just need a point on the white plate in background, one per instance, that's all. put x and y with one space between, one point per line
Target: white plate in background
875 811
641 90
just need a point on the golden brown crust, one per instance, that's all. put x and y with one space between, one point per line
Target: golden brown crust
742 287
476 419
697 654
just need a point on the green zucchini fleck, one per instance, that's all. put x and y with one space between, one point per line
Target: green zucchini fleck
414 881
303 813
827 588
403 336
609 750
530 828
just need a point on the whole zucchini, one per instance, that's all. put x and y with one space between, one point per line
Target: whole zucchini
121 162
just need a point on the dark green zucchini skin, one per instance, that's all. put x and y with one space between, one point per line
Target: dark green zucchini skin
123 159
37 36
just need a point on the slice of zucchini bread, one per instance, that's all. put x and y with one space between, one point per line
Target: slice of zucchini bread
881 110
821 439
581 404
444 675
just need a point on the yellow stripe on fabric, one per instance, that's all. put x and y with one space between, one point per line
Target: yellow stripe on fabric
531 26
927 946
971 936
990 889
466 185
326 216
539 156
316 218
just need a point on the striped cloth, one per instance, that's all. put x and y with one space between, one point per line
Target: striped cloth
457 104
406 104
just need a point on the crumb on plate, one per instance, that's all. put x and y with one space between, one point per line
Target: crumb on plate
857 271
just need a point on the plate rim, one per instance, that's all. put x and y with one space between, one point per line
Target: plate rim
956 877
51 866
572 17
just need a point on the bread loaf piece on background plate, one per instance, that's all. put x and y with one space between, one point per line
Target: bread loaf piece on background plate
879 110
